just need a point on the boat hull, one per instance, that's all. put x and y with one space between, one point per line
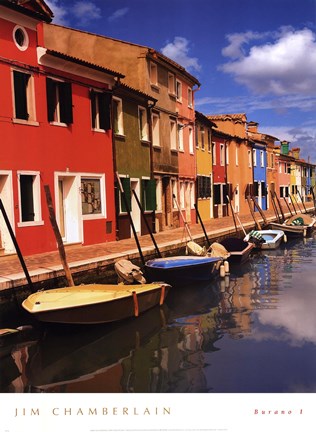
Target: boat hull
239 250
184 270
272 239
291 230
94 304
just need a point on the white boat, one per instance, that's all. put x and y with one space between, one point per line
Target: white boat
265 239
94 303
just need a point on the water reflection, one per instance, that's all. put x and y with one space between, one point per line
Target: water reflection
248 332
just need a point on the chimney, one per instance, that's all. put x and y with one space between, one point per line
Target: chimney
296 152
253 127
285 147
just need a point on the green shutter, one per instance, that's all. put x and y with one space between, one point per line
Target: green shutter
127 189
149 194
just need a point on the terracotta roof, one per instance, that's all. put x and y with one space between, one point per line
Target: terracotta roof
84 63
204 119
238 116
136 91
38 10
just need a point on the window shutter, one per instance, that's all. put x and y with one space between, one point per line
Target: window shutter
127 189
264 188
105 104
65 96
256 189
20 97
217 194
93 108
149 194
50 95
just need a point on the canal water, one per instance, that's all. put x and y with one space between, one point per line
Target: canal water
252 332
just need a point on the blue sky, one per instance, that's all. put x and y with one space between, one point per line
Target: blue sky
257 57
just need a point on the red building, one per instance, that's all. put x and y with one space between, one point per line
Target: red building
55 130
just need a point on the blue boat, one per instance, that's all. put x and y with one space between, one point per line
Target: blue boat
182 270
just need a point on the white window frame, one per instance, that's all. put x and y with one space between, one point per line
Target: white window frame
180 137
214 152
237 155
143 123
153 73
30 98
36 189
171 84
249 158
155 119
222 154
101 178
182 195
262 158
173 134
178 90
26 41
192 194
174 191
227 154
209 141
254 155
118 107
202 133
191 141
158 194
190 98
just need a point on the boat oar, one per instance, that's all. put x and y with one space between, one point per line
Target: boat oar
280 207
297 203
292 201
237 217
183 218
130 218
202 225
233 212
17 248
58 237
147 224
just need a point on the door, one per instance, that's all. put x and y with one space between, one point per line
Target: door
68 208
6 195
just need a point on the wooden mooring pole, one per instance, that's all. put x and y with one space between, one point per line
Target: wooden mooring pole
59 240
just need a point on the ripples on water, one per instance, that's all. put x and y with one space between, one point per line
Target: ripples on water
253 331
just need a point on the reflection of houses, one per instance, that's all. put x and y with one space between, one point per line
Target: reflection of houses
57 132
162 79
203 133
132 160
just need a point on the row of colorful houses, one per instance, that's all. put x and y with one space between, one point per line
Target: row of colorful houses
79 111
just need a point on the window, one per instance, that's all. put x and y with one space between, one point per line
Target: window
209 141
171 84
272 160
214 152
249 159
174 189
227 154
204 186
153 73
237 155
254 152
117 111
261 158
143 123
182 195
29 195
190 98
192 194
156 129
222 155
100 110
191 145
91 202
125 204
202 138
158 194
180 137
24 106
179 91
59 101
149 194
173 135
20 38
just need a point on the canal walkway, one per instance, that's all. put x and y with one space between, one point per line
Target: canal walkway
90 263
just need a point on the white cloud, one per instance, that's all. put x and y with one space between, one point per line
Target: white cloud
85 12
178 50
119 13
287 65
60 12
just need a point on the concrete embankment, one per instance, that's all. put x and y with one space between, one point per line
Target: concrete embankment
96 263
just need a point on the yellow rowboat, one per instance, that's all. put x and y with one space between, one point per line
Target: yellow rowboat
94 303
